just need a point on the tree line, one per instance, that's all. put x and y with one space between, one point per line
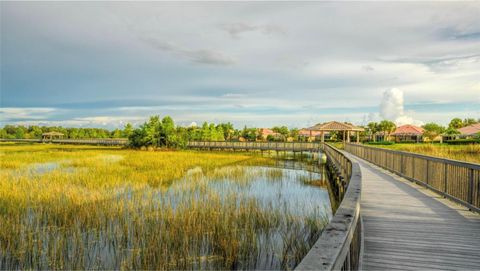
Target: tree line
162 132
35 132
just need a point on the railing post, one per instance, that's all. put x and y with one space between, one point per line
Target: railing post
445 178
470 186
428 172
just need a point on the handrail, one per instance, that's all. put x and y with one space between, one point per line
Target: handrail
339 246
456 180
280 146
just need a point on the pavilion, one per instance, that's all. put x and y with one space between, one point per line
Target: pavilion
332 126
52 135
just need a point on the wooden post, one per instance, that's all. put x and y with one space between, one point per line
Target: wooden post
322 136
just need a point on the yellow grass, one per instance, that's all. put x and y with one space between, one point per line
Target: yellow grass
469 153
86 207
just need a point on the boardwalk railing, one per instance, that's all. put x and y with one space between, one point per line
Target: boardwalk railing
456 180
96 141
339 246
277 146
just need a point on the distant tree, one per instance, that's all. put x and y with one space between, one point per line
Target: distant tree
282 130
127 130
294 133
387 127
451 131
227 129
117 133
167 132
20 132
250 134
432 130
3 133
371 129
469 121
455 123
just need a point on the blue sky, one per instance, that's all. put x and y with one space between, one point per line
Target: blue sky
258 64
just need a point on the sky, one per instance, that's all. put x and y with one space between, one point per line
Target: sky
103 64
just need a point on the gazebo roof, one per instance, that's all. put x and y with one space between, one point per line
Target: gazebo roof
335 126
52 134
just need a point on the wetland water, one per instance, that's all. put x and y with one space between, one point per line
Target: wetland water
233 217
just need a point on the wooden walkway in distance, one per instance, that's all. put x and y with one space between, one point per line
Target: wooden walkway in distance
407 227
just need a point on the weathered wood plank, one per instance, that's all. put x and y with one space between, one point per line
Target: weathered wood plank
408 227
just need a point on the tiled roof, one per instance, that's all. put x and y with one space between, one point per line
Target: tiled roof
335 126
266 131
306 132
408 130
470 130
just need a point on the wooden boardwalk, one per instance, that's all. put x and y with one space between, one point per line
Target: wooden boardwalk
407 227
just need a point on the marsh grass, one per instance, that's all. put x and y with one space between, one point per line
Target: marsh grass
469 153
125 209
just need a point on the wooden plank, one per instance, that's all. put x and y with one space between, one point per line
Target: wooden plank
408 227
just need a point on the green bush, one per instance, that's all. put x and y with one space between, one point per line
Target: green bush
381 143
463 141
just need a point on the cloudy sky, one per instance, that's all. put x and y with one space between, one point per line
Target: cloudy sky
256 64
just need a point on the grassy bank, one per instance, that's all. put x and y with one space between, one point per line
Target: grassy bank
469 153
88 207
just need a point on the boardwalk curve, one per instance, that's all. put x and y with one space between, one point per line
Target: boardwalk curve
408 227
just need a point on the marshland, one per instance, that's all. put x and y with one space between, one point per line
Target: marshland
90 207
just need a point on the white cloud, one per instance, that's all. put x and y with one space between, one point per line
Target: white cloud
24 113
238 28
203 56
392 108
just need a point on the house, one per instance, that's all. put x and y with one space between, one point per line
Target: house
408 133
265 132
469 131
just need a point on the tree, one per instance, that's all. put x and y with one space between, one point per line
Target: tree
227 129
117 133
20 132
455 123
469 121
167 132
387 127
451 132
127 130
432 130
282 130
372 129
250 134
294 133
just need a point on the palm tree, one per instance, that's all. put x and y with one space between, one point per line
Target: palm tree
387 127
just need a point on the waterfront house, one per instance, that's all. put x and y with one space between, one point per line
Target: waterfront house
408 133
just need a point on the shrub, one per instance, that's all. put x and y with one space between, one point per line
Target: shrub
381 143
463 141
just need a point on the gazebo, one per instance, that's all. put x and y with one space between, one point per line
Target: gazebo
52 135
331 126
